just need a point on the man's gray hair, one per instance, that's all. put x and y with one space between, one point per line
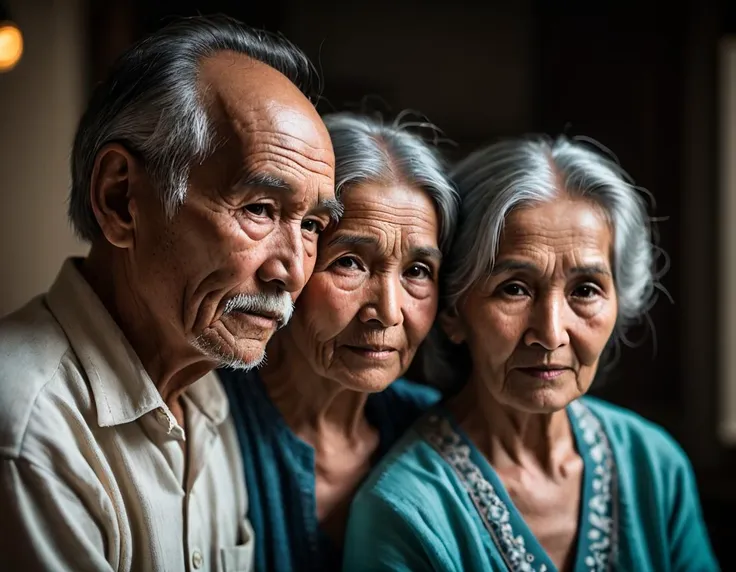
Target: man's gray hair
150 103
369 151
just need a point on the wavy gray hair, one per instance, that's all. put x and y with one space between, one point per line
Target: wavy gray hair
497 179
150 102
367 150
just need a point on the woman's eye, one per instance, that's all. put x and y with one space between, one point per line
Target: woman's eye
347 263
312 226
585 291
257 209
514 290
418 271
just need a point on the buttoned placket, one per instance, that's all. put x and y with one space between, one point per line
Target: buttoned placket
187 463
202 435
168 436
171 440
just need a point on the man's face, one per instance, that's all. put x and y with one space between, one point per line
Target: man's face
223 273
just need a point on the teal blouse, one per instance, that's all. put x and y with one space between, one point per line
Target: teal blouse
435 503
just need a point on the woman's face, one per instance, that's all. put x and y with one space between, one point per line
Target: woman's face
536 327
373 295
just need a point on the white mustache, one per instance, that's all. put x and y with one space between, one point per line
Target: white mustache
278 306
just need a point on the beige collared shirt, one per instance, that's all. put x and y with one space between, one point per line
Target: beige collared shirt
93 471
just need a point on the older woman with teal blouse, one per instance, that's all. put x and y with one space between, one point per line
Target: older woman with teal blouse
520 470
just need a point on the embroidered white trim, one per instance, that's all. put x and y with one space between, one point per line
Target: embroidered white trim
495 514
603 504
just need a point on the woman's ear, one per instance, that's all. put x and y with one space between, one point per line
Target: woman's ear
452 325
110 193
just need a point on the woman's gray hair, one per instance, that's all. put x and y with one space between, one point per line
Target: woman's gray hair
150 102
494 181
369 151
512 174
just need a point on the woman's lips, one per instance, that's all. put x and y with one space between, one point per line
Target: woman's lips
372 352
543 373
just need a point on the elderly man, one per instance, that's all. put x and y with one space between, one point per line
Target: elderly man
202 177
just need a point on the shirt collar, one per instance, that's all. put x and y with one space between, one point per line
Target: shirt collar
122 389
208 395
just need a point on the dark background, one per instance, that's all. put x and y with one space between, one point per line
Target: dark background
638 77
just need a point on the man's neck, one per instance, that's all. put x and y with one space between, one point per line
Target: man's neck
170 361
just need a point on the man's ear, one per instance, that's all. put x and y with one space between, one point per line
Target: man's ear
115 170
452 325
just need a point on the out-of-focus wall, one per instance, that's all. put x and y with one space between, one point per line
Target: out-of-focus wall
40 103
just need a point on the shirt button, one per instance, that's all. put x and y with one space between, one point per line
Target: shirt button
197 559
161 416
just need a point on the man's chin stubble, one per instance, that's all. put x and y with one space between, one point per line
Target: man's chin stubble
226 358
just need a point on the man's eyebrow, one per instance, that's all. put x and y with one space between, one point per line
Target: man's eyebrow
264 180
268 181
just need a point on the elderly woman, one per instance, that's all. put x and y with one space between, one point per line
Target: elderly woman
520 471
329 403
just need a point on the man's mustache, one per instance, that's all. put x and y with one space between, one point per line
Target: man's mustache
278 307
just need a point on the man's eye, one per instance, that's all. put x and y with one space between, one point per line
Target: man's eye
257 209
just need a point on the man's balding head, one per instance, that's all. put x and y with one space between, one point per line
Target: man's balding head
151 102
245 97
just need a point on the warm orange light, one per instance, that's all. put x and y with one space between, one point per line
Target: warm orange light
11 46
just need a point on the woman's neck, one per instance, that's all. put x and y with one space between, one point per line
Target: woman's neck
331 419
509 437
319 410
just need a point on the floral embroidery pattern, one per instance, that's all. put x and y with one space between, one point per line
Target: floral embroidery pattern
603 503
438 432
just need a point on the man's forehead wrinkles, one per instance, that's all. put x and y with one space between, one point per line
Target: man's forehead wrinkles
294 162
257 125
290 143
256 88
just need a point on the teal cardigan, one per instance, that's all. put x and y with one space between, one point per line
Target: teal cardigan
435 503
279 469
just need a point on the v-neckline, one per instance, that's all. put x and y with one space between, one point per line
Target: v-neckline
520 549
321 543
